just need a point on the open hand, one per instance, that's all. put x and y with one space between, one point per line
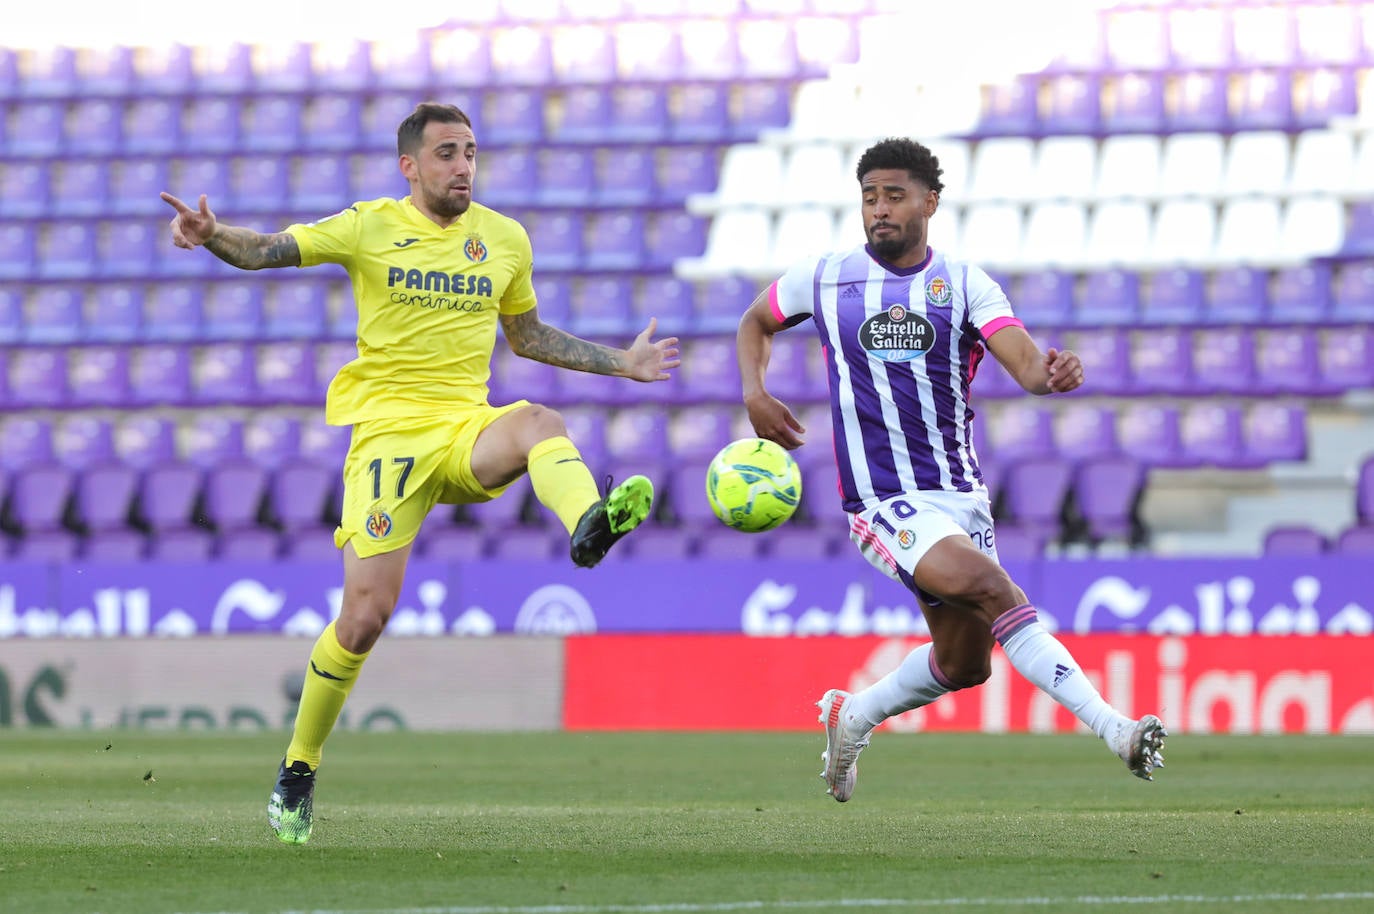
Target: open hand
190 228
649 360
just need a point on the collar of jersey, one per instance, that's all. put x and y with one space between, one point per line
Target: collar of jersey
900 271
418 218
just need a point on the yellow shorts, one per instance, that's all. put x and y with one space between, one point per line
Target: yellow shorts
397 470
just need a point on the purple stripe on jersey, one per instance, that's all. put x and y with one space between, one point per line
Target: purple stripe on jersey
849 314
942 375
1012 621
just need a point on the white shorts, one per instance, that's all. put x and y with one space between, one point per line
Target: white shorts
896 535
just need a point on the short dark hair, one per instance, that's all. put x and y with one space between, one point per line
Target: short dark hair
908 155
412 129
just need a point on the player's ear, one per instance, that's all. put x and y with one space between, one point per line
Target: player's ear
408 168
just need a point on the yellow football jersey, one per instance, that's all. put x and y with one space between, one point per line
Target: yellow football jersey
428 299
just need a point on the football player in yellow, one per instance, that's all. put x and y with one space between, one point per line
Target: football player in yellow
433 274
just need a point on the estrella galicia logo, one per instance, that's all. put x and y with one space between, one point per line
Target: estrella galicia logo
475 250
938 291
897 335
378 524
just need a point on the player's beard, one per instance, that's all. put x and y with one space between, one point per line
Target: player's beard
894 246
445 205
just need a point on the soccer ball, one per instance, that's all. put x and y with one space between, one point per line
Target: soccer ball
753 485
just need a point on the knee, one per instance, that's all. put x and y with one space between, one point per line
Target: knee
991 590
544 423
365 613
965 672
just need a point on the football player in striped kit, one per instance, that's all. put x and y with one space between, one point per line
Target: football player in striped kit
902 329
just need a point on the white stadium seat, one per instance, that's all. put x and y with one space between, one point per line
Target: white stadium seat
1323 162
1184 232
1191 165
1249 231
799 233
1065 168
1002 169
992 234
1119 233
1056 234
1312 227
817 173
1128 167
1256 163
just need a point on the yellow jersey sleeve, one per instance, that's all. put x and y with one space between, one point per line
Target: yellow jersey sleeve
429 301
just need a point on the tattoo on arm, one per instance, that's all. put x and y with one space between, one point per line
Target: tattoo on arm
532 338
250 250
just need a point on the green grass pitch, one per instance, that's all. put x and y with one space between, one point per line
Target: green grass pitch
577 823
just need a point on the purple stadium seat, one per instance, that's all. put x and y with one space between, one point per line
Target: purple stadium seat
1224 360
84 440
527 544
686 170
1160 362
323 443
93 126
161 375
35 129
1198 102
639 114
1105 492
1172 296
310 546
671 236
295 310
211 438
696 433
318 182
301 496
1132 103
554 294
257 183
1212 433
1083 432
1237 295
1300 294
720 543
168 496
505 179
24 189
1274 431
272 439
163 70
758 106
1070 104
105 497
508 510
173 312
183 544
121 546
39 496
223 69
657 542
1357 540
564 176
28 442
1322 95
332 122
600 305
1346 359
709 370
284 372
403 63
1290 540
53 314
794 542
1262 100
615 240
113 313
585 116
625 176
684 498
130 249
380 116
702 114
1108 298
224 373
50 72
1286 361
1044 298
38 377
667 298
1035 493
48 547
794 369
142 440
1364 492
1009 108
80 187
721 301
152 126
452 543
135 184
1106 356
343 65
1352 292
1149 431
233 495
18 246
11 317
514 377
99 376
556 236
511 117
232 310
1359 230
210 124
248 544
636 434
66 250
329 358
1021 431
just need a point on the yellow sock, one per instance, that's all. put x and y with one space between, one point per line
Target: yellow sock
328 680
561 481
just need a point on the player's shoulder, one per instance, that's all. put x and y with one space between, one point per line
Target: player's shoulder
960 269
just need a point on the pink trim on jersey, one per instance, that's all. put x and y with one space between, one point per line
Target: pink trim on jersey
866 535
773 303
999 323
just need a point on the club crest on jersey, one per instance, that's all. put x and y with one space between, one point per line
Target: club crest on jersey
378 524
938 291
475 250
906 539
897 335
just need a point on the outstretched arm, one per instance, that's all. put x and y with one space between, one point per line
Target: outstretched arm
1053 372
753 347
240 247
645 360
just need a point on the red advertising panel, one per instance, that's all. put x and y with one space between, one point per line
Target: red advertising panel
1199 684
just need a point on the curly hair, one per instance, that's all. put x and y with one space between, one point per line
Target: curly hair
412 129
908 155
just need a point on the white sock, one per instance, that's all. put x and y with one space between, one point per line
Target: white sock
1042 658
916 682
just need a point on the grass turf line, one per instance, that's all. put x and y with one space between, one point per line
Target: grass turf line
406 822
